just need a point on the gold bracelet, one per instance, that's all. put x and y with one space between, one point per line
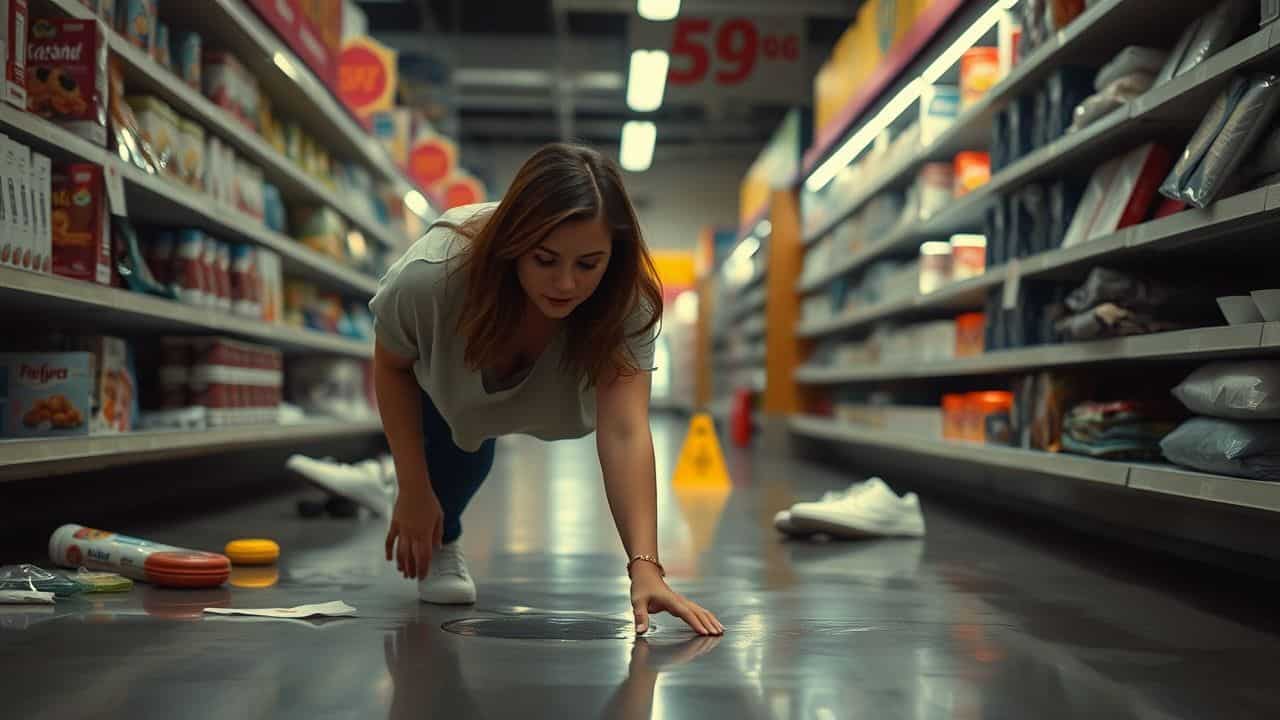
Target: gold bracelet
649 559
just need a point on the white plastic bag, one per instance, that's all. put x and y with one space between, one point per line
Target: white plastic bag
1244 390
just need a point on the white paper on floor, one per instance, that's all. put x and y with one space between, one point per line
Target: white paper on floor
25 597
336 608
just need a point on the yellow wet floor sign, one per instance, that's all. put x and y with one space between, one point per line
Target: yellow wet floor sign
701 462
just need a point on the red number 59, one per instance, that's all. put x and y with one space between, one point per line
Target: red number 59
737 47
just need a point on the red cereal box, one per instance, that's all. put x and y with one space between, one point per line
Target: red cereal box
67 75
81 243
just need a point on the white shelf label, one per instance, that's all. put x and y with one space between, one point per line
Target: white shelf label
115 189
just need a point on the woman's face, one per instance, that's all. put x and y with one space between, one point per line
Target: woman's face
563 271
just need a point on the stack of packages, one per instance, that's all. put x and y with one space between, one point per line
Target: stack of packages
1238 428
1119 430
217 382
67 386
1116 304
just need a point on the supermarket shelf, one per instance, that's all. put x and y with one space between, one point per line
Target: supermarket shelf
238 27
748 304
962 295
75 303
1070 466
34 458
1161 479
1198 344
1177 104
143 73
162 200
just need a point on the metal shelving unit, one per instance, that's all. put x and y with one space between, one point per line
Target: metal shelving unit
56 456
1161 479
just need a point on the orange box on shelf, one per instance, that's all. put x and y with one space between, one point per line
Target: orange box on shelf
989 416
979 72
953 416
973 170
970 330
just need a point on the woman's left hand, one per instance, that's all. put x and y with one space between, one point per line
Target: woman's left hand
651 594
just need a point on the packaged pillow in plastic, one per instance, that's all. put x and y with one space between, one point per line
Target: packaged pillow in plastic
1179 52
1226 447
1217 30
1133 59
1120 92
1246 390
1105 285
1198 146
1241 132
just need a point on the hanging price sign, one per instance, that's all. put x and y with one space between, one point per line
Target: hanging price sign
752 57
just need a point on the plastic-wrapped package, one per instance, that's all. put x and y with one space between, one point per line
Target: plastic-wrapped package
1105 285
1133 190
1066 87
1120 92
1218 30
1245 125
1090 202
1198 146
1227 447
1133 59
1179 52
1247 390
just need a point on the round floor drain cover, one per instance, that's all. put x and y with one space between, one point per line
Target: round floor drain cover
546 627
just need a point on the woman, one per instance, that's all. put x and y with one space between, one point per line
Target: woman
533 316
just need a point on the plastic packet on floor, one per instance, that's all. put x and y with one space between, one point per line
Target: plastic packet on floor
1248 390
1227 447
25 597
102 582
33 578
1238 137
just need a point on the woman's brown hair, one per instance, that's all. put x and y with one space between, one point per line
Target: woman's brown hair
558 184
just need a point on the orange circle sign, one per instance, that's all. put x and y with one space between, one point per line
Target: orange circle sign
430 162
462 191
366 76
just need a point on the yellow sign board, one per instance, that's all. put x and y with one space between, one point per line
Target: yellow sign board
701 463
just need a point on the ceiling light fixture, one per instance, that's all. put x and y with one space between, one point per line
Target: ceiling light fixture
638 140
647 79
658 10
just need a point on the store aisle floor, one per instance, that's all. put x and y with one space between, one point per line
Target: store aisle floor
981 620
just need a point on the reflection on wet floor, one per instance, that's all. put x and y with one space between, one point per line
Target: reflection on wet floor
976 621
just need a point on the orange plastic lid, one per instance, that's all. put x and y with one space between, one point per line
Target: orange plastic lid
971 320
952 401
187 568
253 551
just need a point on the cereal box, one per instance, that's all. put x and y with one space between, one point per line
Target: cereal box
41 178
81 245
67 75
8 244
50 394
136 21
13 26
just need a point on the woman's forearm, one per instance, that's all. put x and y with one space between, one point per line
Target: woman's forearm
626 458
400 405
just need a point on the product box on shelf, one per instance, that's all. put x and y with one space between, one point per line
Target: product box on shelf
14 16
66 75
136 21
237 383
9 249
41 180
15 240
24 242
159 125
81 244
85 386
269 268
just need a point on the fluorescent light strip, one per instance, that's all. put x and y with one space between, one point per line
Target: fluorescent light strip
638 140
647 79
854 146
658 10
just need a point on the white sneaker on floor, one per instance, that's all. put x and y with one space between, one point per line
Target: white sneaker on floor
783 523
448 582
365 483
872 511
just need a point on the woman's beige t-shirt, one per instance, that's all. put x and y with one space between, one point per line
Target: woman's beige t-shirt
416 313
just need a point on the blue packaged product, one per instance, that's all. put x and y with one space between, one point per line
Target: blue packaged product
186 49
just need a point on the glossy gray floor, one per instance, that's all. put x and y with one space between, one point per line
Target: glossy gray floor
982 620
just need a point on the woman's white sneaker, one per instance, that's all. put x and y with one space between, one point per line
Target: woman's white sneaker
874 510
783 523
448 582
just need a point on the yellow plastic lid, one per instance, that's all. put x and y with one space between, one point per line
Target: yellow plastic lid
253 551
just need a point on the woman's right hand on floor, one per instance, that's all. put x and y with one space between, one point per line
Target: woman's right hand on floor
417 528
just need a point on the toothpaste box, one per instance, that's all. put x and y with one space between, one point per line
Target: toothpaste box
41 181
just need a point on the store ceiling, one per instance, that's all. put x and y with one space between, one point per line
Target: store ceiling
507 55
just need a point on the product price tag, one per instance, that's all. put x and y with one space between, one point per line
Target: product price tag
1012 285
115 190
